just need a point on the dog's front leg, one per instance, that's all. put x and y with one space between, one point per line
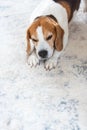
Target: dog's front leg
33 60
31 55
52 62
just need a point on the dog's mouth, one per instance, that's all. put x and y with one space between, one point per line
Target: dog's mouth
43 59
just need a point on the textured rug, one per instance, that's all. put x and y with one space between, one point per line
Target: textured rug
33 98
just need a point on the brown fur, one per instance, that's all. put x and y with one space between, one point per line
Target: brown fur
59 38
28 42
68 9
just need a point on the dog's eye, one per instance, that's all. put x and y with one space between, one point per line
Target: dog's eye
49 37
34 40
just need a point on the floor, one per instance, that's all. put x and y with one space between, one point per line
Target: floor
33 98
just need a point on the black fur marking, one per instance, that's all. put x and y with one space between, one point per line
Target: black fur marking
52 17
74 4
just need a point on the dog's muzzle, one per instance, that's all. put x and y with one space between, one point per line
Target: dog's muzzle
43 54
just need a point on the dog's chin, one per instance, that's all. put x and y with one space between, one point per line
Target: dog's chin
43 59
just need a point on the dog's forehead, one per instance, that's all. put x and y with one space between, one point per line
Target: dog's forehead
46 26
42 33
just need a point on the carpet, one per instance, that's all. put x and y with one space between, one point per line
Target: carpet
33 98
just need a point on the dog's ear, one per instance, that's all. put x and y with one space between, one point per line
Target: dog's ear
30 45
28 42
31 29
59 38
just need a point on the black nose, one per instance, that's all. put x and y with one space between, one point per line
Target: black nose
43 53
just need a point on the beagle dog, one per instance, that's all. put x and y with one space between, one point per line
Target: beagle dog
47 34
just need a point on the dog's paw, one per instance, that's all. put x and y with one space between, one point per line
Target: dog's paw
50 64
33 60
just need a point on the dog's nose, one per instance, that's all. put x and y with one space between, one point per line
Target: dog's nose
43 53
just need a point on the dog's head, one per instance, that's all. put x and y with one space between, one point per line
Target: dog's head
46 35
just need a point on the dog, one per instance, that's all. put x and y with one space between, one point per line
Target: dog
47 34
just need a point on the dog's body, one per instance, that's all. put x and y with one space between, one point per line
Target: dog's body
47 34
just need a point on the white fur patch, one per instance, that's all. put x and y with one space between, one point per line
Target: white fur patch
52 62
33 60
42 44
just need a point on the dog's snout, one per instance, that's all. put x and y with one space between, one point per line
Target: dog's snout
43 53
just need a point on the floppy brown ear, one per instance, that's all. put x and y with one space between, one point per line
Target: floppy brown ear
30 45
59 38
28 42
